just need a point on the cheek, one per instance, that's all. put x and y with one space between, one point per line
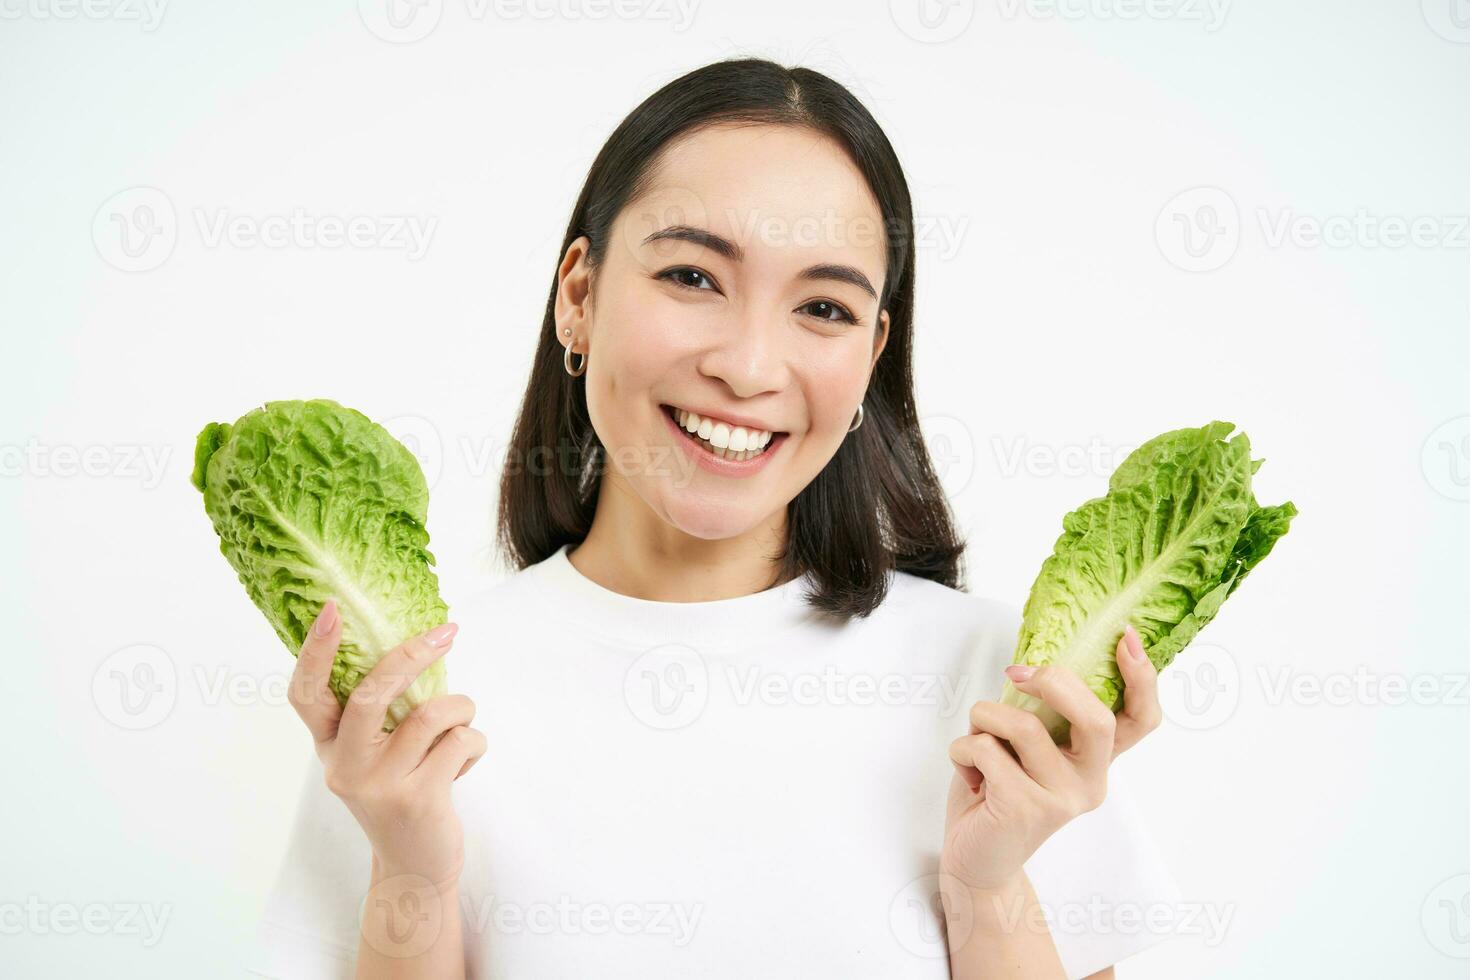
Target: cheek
835 386
636 349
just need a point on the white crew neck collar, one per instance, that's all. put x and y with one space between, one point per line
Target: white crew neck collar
712 623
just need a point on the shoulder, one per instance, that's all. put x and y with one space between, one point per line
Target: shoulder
512 590
911 594
974 636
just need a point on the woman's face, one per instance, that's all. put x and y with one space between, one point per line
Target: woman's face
742 287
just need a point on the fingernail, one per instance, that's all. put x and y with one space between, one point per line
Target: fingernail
326 619
1132 642
1020 672
440 635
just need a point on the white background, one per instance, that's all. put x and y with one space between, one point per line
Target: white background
1057 158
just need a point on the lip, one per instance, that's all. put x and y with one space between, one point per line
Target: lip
713 464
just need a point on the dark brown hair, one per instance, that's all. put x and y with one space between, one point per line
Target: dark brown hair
877 505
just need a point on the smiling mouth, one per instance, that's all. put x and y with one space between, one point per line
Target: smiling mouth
720 439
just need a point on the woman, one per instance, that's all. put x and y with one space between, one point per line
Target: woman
725 693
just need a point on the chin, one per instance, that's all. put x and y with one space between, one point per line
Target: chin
707 520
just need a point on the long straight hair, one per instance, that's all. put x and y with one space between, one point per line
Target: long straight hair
877 506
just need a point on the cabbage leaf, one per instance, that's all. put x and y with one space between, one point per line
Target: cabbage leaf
1177 532
312 500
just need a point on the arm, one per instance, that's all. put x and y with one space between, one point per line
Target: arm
1013 788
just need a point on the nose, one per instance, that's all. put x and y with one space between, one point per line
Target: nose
751 355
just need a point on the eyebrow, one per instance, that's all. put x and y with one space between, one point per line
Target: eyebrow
733 252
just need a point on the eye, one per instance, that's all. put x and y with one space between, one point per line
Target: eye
826 307
679 276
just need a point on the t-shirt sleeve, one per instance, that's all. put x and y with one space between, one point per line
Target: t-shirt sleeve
309 928
1101 879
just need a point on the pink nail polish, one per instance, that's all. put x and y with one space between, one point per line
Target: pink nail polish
1020 672
326 619
440 635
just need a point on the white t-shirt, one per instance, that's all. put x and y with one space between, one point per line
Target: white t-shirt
725 789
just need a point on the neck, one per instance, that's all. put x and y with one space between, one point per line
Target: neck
635 552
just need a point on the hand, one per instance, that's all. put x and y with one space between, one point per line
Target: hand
397 785
1014 787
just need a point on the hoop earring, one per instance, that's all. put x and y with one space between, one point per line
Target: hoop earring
857 419
566 359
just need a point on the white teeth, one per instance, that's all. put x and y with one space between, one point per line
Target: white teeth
725 441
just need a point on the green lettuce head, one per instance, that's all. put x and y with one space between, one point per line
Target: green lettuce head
1177 532
315 501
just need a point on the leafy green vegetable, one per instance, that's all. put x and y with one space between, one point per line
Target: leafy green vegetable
315 501
1177 532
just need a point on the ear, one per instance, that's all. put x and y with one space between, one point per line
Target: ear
572 308
880 337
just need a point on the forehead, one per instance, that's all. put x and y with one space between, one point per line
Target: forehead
768 187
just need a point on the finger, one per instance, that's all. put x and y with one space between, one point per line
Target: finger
308 692
1140 712
367 706
415 736
1065 693
1027 735
457 751
985 757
